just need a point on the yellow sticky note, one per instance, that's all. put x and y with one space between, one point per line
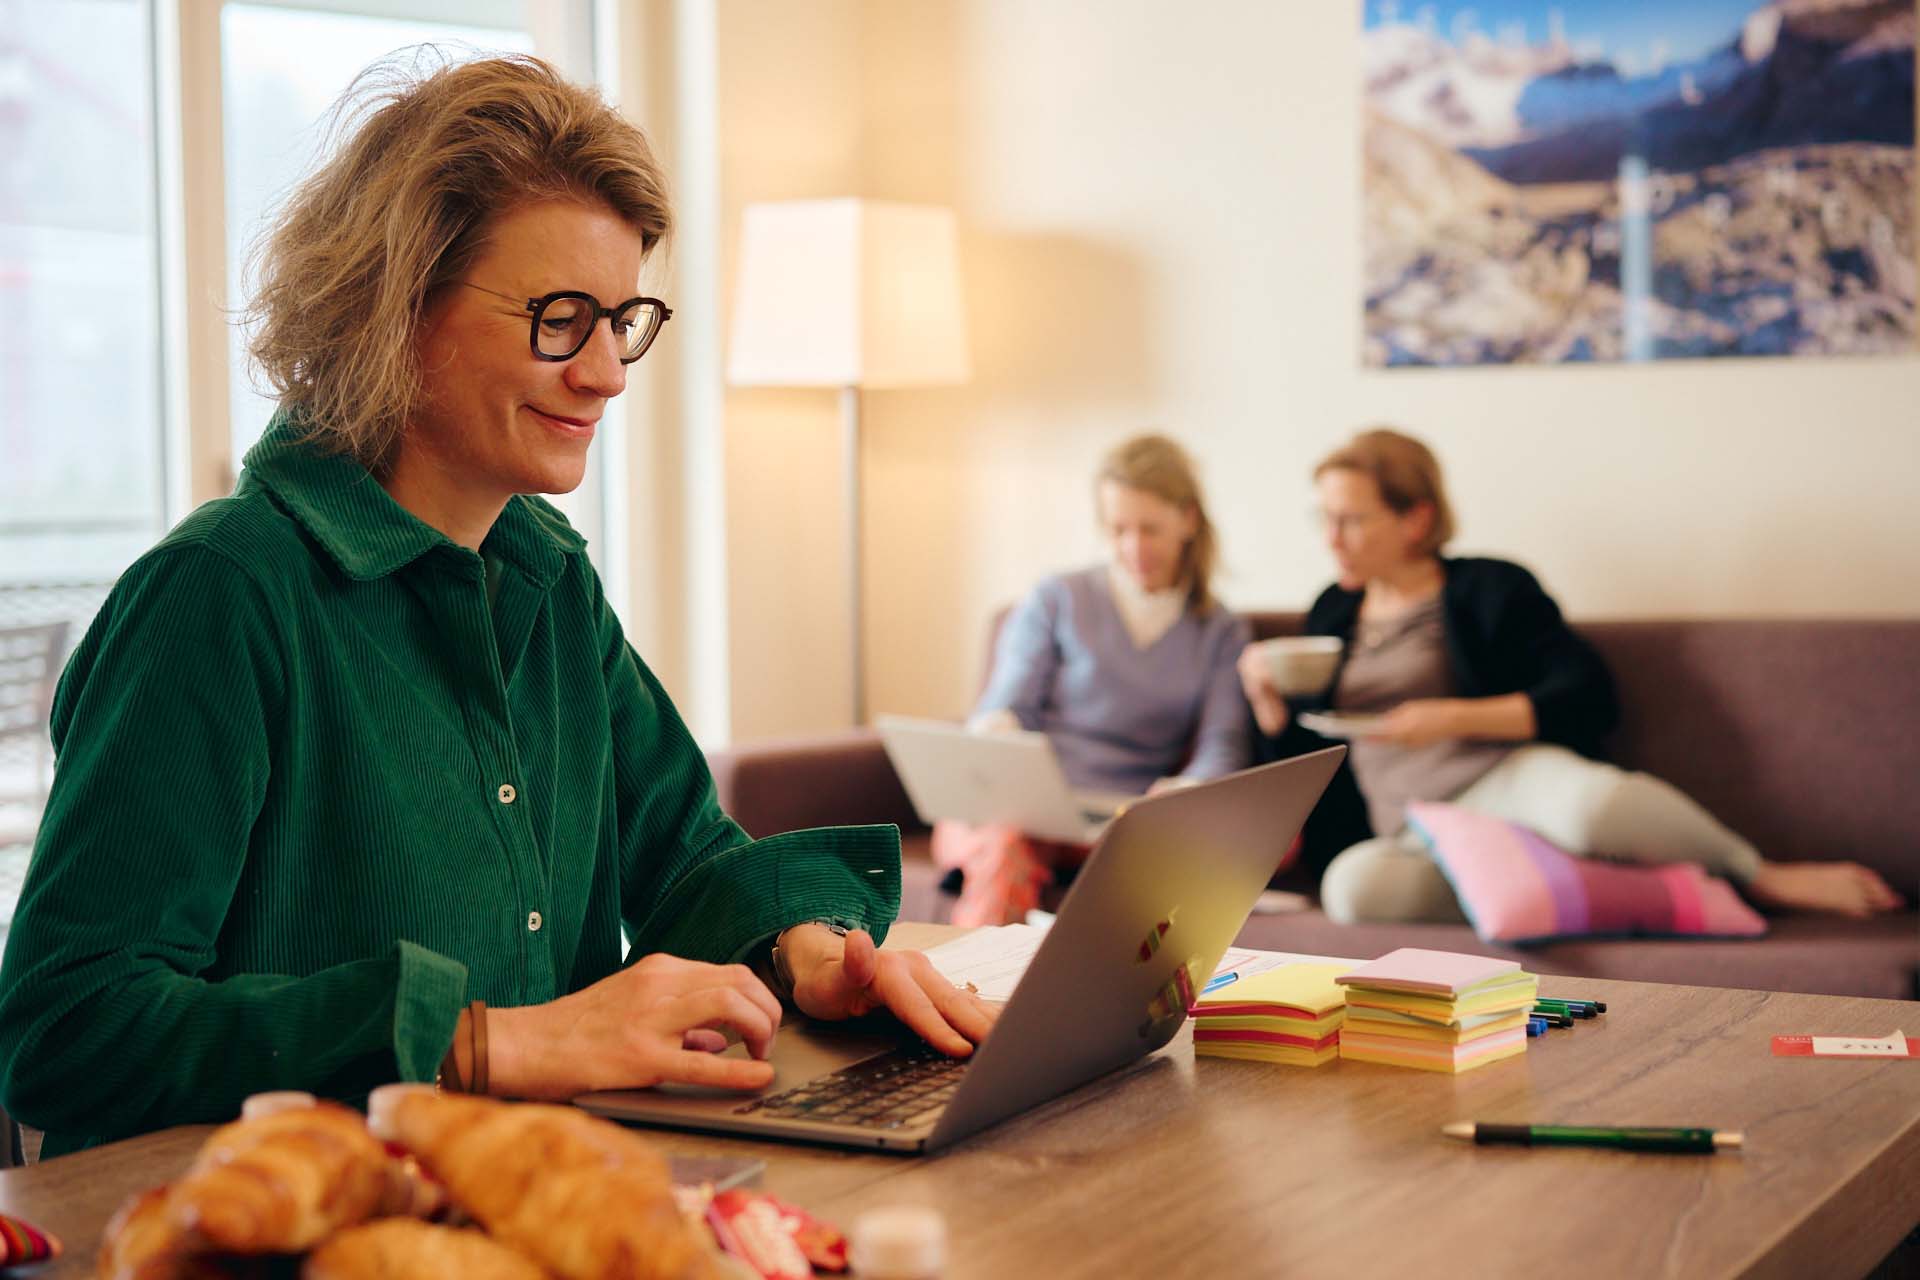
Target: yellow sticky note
1307 987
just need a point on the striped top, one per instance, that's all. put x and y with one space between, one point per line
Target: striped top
317 787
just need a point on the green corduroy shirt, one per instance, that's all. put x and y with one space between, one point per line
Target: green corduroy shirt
318 786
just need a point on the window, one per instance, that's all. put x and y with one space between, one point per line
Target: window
88 441
282 69
82 486
81 493
283 66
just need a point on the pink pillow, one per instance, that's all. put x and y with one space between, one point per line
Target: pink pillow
1517 887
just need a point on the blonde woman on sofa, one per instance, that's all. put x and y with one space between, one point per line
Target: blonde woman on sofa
1486 699
1127 667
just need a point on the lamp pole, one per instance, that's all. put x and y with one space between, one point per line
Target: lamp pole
850 486
848 293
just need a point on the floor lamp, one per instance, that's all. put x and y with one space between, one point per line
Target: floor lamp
851 294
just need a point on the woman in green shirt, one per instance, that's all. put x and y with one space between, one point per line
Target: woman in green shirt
358 778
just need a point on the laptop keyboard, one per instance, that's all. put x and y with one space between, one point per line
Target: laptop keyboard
899 1087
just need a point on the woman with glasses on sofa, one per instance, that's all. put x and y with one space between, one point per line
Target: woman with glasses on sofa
359 780
1487 699
1127 667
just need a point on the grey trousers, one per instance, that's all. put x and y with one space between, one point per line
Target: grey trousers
1581 805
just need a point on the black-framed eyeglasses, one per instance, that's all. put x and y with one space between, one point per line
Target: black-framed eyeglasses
564 320
1344 521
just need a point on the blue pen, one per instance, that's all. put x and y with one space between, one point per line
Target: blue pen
1217 981
1536 1026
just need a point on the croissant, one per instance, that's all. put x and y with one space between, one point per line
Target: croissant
583 1197
410 1191
408 1249
284 1181
278 1180
143 1241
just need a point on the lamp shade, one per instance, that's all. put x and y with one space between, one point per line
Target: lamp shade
847 293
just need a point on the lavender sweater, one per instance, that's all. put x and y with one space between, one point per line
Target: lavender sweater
1120 717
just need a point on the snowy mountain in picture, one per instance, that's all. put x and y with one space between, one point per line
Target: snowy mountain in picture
1590 182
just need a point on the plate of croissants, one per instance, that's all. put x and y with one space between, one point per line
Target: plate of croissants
426 1184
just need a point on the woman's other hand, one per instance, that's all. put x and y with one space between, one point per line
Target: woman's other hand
1419 722
1256 681
999 720
1507 717
659 1019
844 977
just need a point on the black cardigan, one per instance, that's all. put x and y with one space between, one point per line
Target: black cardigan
1504 634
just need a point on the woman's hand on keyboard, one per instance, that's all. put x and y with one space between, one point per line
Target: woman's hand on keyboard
845 977
659 1019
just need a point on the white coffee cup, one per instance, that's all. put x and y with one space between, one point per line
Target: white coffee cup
1300 665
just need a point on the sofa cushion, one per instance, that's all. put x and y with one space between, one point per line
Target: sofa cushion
842 779
1516 886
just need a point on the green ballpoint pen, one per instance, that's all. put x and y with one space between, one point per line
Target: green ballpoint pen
1686 1141
1572 1008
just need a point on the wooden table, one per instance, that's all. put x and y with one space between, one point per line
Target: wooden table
1178 1167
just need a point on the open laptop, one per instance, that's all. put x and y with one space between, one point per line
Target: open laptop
1145 925
1009 777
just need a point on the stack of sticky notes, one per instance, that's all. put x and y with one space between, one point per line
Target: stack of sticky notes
1436 1010
1289 1014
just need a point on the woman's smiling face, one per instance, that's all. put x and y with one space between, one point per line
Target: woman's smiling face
497 420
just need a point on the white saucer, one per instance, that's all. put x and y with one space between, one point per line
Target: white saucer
1334 724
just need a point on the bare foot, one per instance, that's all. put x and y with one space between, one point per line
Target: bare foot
1838 888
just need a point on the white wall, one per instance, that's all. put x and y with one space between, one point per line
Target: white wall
1161 212
1160 216
790 127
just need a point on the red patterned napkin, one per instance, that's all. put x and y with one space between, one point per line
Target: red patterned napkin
20 1243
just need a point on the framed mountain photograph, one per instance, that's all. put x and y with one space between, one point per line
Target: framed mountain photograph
1549 181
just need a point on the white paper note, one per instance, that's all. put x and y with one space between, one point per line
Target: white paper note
991 959
1893 1046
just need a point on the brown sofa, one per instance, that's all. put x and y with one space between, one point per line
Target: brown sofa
1804 735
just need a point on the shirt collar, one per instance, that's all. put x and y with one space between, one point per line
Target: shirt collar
370 535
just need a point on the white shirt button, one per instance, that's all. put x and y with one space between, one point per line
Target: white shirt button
507 793
533 922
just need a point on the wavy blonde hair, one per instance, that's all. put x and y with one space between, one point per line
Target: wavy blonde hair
427 160
1157 465
1407 473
